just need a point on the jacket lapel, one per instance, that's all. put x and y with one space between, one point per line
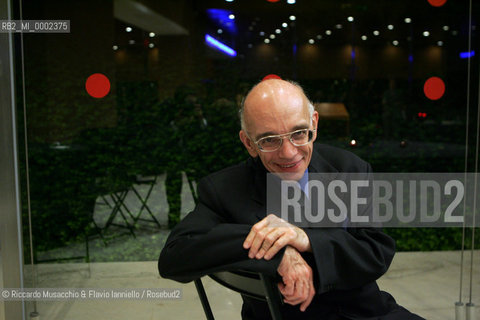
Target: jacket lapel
317 165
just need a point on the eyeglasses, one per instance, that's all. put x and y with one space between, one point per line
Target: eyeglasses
272 143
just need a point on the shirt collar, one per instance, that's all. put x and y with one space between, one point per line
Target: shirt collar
304 181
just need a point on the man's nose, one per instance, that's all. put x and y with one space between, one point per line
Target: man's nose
287 149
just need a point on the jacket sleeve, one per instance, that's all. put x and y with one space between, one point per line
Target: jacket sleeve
349 258
206 241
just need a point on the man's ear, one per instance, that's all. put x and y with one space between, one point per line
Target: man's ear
315 124
249 145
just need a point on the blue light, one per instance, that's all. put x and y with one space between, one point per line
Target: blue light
410 58
465 55
221 17
220 46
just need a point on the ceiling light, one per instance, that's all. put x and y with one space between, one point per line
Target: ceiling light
408 20
151 45
291 1
376 32
131 41
250 45
319 37
219 31
262 33
395 42
350 19
115 48
311 41
229 0
292 18
128 29
364 38
151 34
231 16
272 36
339 26
390 27
446 28
278 31
426 33
440 43
328 32
454 32
284 24
266 40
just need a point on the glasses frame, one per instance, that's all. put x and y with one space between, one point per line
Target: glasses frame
283 136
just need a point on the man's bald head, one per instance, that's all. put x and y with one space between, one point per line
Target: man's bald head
273 109
272 89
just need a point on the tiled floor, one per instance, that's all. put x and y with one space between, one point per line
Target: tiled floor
424 282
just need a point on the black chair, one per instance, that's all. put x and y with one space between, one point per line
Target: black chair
251 284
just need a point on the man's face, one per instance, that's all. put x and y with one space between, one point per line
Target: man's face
277 107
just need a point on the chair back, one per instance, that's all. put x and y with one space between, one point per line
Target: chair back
251 284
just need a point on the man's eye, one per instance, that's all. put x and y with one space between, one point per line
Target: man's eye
299 134
269 140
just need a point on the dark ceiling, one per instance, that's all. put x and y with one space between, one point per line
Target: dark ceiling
315 17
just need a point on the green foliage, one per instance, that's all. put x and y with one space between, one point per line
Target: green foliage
428 239
186 133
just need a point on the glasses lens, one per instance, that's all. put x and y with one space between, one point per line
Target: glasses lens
298 138
270 143
301 137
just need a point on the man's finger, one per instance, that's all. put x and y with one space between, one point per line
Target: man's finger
289 288
248 240
253 232
307 302
257 243
269 241
299 293
279 244
293 300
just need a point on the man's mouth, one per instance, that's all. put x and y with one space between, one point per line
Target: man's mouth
288 165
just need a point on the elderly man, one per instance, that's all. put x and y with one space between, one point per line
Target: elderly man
327 273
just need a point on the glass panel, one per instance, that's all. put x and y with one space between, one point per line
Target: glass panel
127 111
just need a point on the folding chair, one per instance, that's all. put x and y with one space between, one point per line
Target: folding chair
251 284
150 181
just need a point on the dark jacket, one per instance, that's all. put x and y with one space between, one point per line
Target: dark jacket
346 261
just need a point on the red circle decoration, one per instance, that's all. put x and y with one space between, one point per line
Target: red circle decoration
97 85
273 0
434 88
271 76
437 3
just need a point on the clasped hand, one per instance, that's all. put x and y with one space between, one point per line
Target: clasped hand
269 236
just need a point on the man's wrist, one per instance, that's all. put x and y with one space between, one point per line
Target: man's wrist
304 241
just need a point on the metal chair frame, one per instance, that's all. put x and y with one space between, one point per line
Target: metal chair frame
247 283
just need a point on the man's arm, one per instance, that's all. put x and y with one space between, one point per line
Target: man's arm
207 241
344 258
297 279
349 258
